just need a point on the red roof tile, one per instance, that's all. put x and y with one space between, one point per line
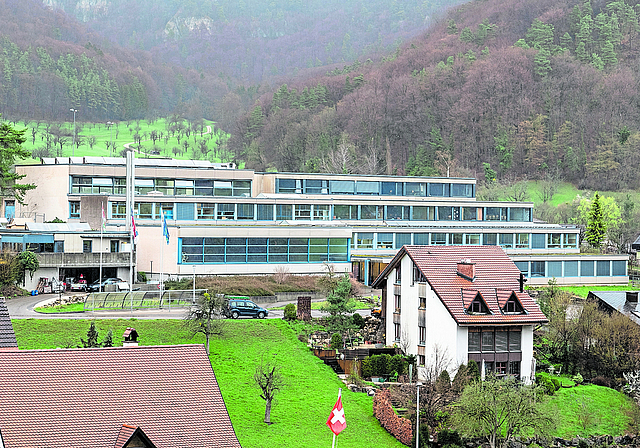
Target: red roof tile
82 397
7 336
495 276
125 435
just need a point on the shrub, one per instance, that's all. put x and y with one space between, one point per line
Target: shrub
556 383
142 277
473 370
546 383
449 437
424 436
366 367
336 341
290 312
578 379
380 365
601 381
357 320
461 379
443 383
398 364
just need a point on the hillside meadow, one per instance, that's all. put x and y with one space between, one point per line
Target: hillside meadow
301 409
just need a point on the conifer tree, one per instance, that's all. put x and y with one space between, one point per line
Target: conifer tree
596 227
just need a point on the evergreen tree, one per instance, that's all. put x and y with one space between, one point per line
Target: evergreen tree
452 28
566 41
596 227
11 141
542 63
597 62
92 337
540 35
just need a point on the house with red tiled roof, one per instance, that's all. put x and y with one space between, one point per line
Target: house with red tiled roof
460 303
7 336
119 397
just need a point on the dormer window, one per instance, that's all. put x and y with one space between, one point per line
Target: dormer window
478 306
513 306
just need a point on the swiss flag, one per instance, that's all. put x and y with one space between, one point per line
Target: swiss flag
336 421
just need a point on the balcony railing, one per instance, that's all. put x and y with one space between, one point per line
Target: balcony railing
109 259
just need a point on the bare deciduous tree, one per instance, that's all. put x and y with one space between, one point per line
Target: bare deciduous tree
268 378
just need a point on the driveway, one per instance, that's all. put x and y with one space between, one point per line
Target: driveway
22 308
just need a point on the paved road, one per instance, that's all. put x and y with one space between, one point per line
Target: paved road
22 308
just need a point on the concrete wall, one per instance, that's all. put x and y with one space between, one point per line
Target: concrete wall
50 195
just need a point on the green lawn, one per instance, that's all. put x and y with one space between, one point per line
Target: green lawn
123 132
583 291
68 308
358 305
590 410
301 409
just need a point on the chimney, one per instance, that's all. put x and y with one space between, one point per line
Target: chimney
632 296
522 281
467 269
130 338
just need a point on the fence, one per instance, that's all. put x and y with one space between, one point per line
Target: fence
141 299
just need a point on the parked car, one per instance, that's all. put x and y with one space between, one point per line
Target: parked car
78 285
376 312
236 307
95 286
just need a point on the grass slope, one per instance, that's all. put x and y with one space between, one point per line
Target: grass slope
590 410
583 291
302 407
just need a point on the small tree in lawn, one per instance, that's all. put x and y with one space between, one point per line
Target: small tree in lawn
500 409
596 227
269 379
206 316
92 337
338 305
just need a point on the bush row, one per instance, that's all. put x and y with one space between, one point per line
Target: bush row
397 426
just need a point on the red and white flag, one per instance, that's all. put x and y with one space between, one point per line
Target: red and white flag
336 421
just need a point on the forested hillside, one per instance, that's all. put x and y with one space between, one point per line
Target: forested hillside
537 88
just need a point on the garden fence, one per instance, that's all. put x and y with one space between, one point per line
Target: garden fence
142 299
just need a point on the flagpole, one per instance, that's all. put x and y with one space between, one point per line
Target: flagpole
333 445
101 248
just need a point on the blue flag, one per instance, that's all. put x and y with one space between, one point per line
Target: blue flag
165 229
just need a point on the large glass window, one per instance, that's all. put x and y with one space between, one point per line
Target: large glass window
422 213
365 187
495 214
538 241
316 186
522 240
570 268
438 189
474 340
284 212
81 185
345 212
586 268
204 187
165 186
538 269
144 186
298 250
455 239
506 240
245 211
365 240
222 188
288 186
102 185
321 212
519 214
490 239
554 269
303 211
469 213
256 250
397 212
118 210
338 249
226 211
392 188
439 239
523 266
342 186
502 340
265 212
278 250
445 213
120 185
143 210
184 187
603 268
554 240
74 209
318 250
370 212
402 239
165 208
487 341
385 241
472 239
462 190
421 239
242 188
236 250
206 211
619 267
416 189
570 240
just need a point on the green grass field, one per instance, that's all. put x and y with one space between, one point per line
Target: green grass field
122 133
583 291
301 409
590 410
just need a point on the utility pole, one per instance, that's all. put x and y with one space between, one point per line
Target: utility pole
73 148
110 125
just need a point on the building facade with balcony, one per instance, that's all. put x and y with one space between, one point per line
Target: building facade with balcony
230 221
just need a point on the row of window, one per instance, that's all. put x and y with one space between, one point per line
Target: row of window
168 187
321 212
388 240
492 340
573 268
262 250
375 188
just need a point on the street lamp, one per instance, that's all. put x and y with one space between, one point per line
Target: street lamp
73 148
110 125
418 384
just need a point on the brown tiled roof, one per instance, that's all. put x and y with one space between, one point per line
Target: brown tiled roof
128 432
495 276
7 336
82 397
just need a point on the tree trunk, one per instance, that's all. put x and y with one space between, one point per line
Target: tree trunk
267 413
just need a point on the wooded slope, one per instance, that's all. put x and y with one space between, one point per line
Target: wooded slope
521 87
